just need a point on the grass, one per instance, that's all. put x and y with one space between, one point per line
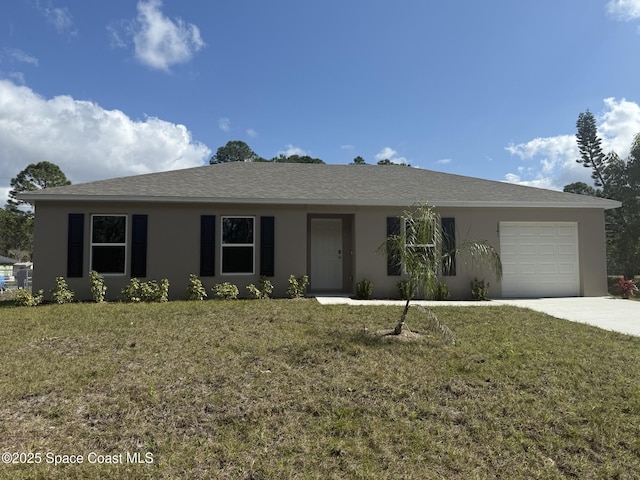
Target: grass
292 389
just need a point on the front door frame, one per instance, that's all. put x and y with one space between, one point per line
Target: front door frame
346 285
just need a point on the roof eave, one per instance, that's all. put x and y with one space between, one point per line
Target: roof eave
603 203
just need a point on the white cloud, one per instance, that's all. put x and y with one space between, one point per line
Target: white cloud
291 150
224 124
541 182
161 42
388 153
251 133
60 18
551 162
618 125
118 31
347 147
21 56
18 77
86 141
624 9
444 161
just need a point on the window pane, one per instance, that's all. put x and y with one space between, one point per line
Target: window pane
109 229
108 259
237 230
237 260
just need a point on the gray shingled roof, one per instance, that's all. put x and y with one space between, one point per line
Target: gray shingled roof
281 183
7 261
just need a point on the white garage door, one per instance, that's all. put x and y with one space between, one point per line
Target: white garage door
539 259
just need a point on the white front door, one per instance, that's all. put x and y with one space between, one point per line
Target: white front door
326 254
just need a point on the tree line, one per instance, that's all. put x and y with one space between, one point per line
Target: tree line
16 218
239 151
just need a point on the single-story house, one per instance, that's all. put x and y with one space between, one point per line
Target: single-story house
236 222
6 265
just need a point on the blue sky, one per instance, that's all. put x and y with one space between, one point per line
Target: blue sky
487 89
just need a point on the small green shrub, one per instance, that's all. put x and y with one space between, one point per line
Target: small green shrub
440 292
61 293
160 291
25 299
297 286
195 290
479 289
132 291
364 289
151 291
263 290
98 288
405 289
226 291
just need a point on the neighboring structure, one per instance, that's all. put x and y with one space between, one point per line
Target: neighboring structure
238 221
6 266
23 274
6 271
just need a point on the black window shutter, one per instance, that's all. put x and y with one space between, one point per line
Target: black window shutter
139 246
75 245
449 246
393 264
267 246
207 245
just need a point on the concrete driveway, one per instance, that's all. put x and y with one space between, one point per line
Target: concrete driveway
604 312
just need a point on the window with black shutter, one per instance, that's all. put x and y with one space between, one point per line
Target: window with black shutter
394 265
75 245
267 246
207 245
448 247
139 246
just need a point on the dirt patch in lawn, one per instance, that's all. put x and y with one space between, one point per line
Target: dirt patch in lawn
405 335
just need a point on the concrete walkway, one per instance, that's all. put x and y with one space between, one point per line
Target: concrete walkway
604 312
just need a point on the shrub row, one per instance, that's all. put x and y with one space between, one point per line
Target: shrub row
228 291
153 291
479 290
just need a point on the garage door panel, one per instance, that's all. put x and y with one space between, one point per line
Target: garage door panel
527 268
565 231
526 230
564 249
546 231
539 259
567 269
547 269
546 249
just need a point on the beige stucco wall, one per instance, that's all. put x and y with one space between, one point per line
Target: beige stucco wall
482 224
174 244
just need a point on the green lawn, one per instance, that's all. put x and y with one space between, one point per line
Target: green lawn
292 389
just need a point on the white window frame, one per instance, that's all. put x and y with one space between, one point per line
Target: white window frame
422 245
123 244
224 245
431 246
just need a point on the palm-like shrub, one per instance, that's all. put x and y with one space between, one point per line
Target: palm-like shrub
419 249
